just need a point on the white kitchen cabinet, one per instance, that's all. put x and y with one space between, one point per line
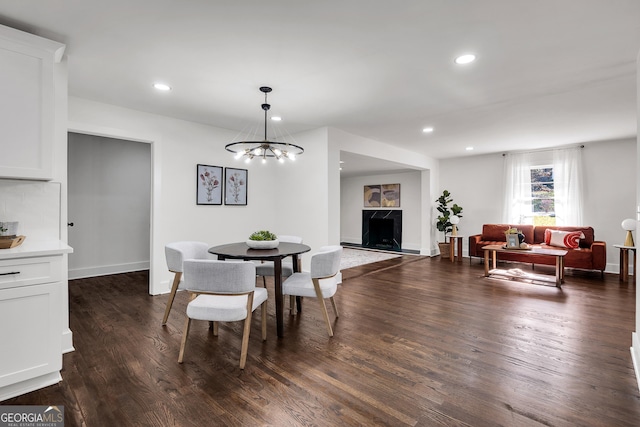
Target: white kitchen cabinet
27 104
33 304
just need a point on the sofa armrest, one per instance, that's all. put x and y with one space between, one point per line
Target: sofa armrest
474 250
599 255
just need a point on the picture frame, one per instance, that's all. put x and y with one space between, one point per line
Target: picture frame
372 196
235 186
209 185
390 196
513 241
382 196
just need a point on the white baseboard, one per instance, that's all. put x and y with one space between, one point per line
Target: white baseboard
27 386
104 270
67 341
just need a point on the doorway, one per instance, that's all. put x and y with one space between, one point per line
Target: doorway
109 202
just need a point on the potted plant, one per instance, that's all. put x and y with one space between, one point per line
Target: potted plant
262 239
444 218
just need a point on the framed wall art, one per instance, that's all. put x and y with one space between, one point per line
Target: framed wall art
390 196
209 185
235 186
385 196
372 196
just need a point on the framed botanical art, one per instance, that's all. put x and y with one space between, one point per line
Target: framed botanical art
209 185
235 186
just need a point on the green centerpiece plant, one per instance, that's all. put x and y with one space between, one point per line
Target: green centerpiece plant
262 239
262 235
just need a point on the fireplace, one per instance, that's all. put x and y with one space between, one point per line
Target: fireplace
382 229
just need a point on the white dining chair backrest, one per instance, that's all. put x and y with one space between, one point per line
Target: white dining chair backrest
177 252
326 262
220 277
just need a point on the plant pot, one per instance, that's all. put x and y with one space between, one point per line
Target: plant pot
262 244
444 248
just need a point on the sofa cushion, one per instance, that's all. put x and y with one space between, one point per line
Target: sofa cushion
586 242
563 239
495 232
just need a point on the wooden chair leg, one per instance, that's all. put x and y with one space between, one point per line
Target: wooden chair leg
247 331
214 328
264 281
335 307
323 306
172 295
292 304
264 321
187 325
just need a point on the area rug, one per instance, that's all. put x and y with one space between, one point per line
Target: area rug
356 257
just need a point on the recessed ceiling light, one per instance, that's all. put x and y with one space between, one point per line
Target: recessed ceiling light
465 59
161 86
276 118
427 130
469 148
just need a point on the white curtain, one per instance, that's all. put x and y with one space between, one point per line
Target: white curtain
517 190
567 177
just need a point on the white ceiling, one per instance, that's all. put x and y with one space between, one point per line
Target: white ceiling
548 72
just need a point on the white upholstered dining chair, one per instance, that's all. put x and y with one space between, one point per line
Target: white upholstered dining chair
223 291
176 253
319 283
265 268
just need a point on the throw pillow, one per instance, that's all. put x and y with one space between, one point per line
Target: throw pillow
565 239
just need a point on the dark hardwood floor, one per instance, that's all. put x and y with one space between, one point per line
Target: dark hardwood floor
420 341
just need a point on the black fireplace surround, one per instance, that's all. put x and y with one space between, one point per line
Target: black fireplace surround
382 229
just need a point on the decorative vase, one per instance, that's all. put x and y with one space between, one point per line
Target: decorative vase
263 244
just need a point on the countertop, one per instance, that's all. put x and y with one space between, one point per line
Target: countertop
36 248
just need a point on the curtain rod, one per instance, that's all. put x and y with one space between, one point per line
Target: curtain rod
543 150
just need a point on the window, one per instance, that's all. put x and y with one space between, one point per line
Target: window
542 195
543 188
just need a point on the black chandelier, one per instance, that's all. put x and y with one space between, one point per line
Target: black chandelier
265 148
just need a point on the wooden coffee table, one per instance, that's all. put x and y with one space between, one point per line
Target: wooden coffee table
516 274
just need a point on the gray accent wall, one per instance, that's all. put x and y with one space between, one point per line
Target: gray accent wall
109 186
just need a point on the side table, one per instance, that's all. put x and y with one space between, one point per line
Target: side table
453 241
624 262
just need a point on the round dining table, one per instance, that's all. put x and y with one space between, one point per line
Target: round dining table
242 251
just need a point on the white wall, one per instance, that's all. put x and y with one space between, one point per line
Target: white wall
475 183
351 204
109 204
177 147
428 167
301 196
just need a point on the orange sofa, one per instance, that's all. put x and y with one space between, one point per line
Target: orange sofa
590 255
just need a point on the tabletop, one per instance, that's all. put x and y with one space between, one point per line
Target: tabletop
240 250
531 250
